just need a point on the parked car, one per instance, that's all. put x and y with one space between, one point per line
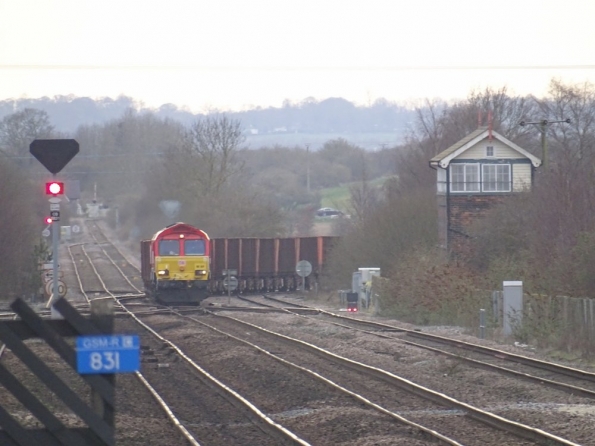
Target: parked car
328 212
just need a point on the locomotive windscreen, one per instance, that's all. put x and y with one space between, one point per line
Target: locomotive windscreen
194 247
169 248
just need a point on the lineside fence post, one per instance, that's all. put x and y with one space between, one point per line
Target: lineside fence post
102 315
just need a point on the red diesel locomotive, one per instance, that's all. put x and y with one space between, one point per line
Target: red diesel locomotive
181 264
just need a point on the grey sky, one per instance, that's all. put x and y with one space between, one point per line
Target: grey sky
239 54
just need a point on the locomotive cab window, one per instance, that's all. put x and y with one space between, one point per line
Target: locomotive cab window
169 248
194 247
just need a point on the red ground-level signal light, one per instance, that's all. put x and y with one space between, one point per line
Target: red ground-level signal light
48 220
54 188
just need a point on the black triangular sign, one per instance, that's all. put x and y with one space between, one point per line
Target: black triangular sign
54 154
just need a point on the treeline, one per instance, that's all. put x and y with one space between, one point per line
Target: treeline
141 163
545 238
332 115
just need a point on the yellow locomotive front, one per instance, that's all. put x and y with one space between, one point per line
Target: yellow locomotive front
180 265
182 260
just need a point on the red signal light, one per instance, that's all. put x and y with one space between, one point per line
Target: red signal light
48 220
54 188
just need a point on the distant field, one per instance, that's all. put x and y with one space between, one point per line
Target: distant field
338 197
335 197
368 141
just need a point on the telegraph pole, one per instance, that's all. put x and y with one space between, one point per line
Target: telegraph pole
543 128
308 167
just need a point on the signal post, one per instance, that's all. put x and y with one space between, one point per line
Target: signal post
55 216
54 154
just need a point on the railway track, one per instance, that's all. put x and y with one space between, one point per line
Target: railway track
390 393
568 379
536 397
158 353
204 408
354 402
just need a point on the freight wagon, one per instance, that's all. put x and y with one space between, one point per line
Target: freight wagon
181 264
268 264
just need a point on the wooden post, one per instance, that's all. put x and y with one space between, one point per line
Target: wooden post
102 315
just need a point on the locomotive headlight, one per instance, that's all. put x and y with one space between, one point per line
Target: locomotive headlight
163 272
200 272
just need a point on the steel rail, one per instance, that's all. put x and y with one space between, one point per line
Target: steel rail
327 381
167 410
488 418
115 264
266 310
569 388
500 354
124 256
268 424
181 428
263 417
549 366
76 271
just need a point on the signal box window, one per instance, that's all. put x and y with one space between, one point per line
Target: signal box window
496 178
169 248
464 178
194 247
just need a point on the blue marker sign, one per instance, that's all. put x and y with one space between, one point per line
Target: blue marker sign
107 354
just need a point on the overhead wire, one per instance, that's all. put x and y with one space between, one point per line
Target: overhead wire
299 68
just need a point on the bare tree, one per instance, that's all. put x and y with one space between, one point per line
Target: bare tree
546 237
19 232
213 142
19 129
204 173
363 197
439 125
507 112
123 151
574 141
